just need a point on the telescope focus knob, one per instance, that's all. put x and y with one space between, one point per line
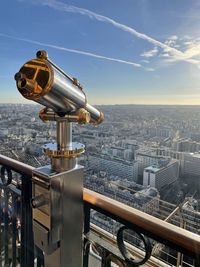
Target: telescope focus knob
83 116
39 201
42 54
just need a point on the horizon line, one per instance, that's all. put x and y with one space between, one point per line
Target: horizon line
17 103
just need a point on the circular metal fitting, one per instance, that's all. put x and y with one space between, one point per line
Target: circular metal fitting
52 151
126 254
38 201
6 176
100 120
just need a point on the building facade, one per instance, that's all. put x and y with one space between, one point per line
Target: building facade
113 166
160 175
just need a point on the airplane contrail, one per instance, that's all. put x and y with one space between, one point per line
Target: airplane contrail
137 65
173 52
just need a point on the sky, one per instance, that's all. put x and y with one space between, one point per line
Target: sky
121 51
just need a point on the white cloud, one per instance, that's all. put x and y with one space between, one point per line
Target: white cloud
191 50
186 37
169 46
188 43
174 53
170 43
149 69
166 55
151 53
145 61
173 37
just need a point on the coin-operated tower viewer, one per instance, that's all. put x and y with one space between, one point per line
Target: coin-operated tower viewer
58 188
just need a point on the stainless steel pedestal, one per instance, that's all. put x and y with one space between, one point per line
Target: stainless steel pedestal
58 215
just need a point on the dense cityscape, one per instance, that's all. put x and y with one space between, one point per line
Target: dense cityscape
99 133
145 156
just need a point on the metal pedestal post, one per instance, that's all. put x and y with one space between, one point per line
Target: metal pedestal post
69 253
58 203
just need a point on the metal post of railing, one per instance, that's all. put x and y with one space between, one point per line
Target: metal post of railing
14 230
5 227
39 256
27 244
86 244
1 238
105 262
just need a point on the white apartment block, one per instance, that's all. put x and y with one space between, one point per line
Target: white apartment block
158 176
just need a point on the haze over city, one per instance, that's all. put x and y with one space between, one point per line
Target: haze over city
132 52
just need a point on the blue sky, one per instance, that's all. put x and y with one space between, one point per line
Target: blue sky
123 52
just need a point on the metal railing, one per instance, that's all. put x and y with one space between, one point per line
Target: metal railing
16 239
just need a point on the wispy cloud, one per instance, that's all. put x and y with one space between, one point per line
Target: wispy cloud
174 53
80 52
151 53
145 61
191 48
149 69
171 41
173 37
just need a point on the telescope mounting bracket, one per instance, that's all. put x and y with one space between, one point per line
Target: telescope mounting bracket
64 148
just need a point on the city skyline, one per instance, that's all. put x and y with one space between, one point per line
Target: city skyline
146 158
135 52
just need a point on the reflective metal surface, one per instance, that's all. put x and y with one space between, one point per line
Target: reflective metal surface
63 164
58 224
64 135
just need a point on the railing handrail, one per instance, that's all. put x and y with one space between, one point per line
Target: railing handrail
156 228
152 226
16 165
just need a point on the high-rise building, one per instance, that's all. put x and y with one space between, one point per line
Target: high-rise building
185 145
191 164
160 175
163 132
166 152
145 160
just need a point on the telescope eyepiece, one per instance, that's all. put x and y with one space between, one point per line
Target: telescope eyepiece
28 87
22 83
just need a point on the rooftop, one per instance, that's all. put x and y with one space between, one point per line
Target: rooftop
161 165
